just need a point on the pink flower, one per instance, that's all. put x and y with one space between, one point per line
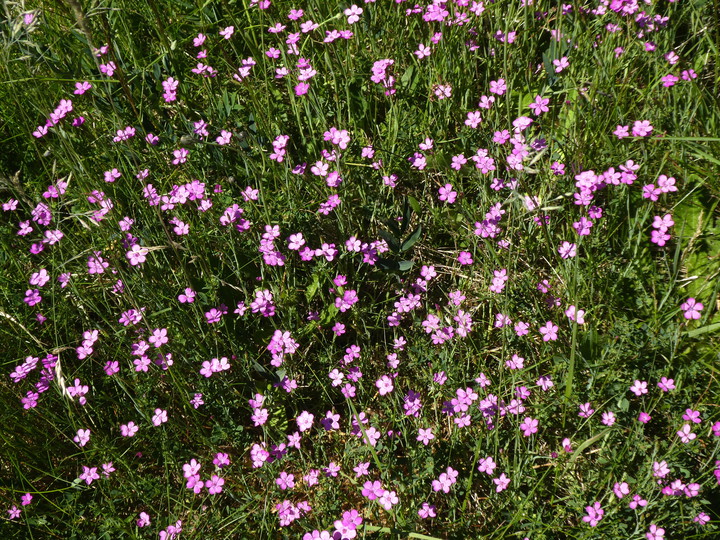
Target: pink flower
227 32
465 258
159 337
594 514
137 255
82 438
425 436
639 388
305 421
89 474
549 331
353 14
567 250
561 64
160 417
215 484
447 194
529 426
692 309
129 429
501 483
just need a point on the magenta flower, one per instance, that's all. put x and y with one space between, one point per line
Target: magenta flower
285 481
529 426
372 490
227 32
159 337
137 255
160 417
129 429
26 499
215 484
447 194
666 385
655 533
82 437
89 474
501 483
353 14
594 514
425 435
549 331
305 421
685 433
180 155
621 489
567 250
143 520
561 64
427 511
692 309
465 258
639 388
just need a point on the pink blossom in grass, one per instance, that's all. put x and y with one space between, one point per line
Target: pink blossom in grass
501 483
388 500
692 309
586 410
129 429
112 367
487 465
187 297
227 32
143 520
425 436
655 533
529 426
26 499
426 511
641 128
549 331
594 514
384 385
637 501
215 484
465 258
567 250
447 194
82 437
160 417
621 489
666 385
158 337
285 481
305 421
639 388
692 416
89 474
180 156
561 64
137 255
685 434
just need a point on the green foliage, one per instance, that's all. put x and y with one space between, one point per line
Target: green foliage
630 288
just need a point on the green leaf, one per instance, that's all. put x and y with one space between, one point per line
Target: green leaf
412 239
404 266
393 242
312 289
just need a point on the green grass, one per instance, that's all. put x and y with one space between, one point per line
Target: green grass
630 288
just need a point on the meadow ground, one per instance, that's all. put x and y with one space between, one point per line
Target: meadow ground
377 270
